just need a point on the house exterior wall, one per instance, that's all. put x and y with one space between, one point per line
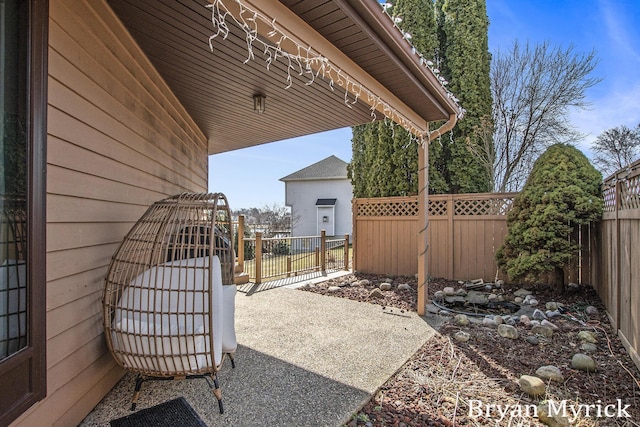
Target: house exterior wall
302 196
118 140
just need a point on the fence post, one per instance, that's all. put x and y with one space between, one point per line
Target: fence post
450 236
618 207
258 257
241 242
289 266
354 233
423 227
323 250
317 263
346 251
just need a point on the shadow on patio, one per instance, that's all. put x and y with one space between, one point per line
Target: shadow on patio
304 359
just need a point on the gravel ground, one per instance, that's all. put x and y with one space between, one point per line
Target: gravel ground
451 383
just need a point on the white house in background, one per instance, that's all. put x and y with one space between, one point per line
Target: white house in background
320 198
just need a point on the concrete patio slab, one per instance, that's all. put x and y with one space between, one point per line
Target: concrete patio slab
303 359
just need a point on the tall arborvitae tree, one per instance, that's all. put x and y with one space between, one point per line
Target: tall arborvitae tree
464 60
384 161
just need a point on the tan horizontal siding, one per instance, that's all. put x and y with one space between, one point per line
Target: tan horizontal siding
63 236
118 140
105 152
68 289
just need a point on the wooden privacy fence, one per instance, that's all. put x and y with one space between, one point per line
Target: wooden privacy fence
615 261
465 231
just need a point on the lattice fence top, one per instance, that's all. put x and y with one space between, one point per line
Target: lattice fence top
630 193
467 205
388 207
628 182
438 208
492 206
609 194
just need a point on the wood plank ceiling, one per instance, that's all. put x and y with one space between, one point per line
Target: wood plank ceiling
217 87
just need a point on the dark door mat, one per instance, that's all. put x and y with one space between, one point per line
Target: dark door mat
176 412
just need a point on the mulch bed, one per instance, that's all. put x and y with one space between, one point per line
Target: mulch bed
450 383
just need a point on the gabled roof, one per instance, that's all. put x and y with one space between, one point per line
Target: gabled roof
329 168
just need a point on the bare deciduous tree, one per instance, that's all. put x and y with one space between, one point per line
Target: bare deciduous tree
533 90
616 148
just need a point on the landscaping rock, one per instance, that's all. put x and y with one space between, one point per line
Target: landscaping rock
522 292
444 313
385 286
533 302
535 323
533 340
518 300
552 313
524 319
498 319
538 315
591 311
487 321
492 297
438 296
475 297
404 287
573 287
364 282
543 331
500 297
376 293
432 309
587 336
461 320
551 306
550 372
549 325
531 385
499 283
588 347
333 288
449 291
582 362
554 419
462 336
508 331
461 292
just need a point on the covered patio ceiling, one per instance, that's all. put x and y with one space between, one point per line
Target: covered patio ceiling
217 87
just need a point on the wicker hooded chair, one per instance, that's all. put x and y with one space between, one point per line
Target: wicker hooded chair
169 297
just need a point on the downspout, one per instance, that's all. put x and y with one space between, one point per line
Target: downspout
423 204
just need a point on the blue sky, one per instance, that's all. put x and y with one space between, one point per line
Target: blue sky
250 177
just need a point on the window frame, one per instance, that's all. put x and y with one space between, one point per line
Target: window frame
23 392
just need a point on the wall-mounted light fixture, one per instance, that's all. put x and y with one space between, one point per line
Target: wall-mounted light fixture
259 103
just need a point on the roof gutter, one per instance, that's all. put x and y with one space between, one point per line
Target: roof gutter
374 12
446 127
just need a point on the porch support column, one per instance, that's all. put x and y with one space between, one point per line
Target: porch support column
423 226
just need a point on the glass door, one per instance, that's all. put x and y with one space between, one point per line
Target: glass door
23 77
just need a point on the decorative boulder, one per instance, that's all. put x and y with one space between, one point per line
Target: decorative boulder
531 385
461 320
462 336
551 373
508 331
582 362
